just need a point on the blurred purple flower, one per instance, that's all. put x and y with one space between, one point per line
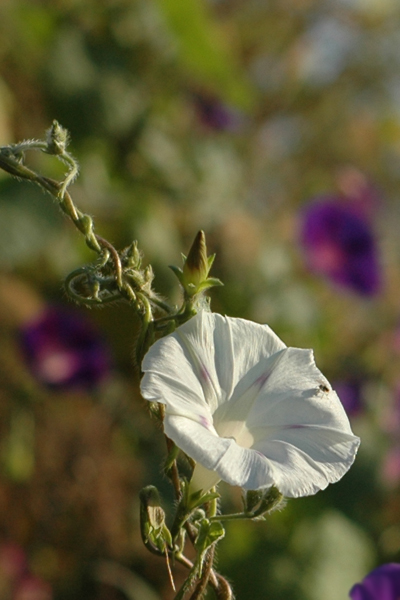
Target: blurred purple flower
350 394
216 115
63 351
339 244
382 583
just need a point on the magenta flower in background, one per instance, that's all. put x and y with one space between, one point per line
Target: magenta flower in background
63 351
390 470
382 583
339 244
350 394
13 562
32 588
16 580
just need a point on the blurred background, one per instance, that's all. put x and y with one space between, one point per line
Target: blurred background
275 127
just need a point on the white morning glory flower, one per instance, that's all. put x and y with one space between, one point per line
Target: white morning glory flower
248 409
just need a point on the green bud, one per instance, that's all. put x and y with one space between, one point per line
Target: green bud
197 265
133 256
155 534
57 139
148 274
196 268
198 515
252 500
259 502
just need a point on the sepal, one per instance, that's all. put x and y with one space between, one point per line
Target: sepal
155 534
171 458
178 272
259 502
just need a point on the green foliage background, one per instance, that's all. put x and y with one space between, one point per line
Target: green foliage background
313 86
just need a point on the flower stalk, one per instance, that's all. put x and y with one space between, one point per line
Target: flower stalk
113 275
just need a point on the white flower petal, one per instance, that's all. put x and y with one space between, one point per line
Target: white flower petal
239 347
307 458
179 397
201 443
247 408
185 360
299 462
296 393
208 355
203 479
234 464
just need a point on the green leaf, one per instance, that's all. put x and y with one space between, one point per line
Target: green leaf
198 498
178 272
210 532
209 283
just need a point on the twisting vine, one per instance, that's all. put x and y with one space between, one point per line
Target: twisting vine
116 275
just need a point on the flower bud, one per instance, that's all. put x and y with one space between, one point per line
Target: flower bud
259 502
197 265
155 534
252 499
57 139
133 256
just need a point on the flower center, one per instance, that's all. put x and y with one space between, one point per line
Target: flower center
236 430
